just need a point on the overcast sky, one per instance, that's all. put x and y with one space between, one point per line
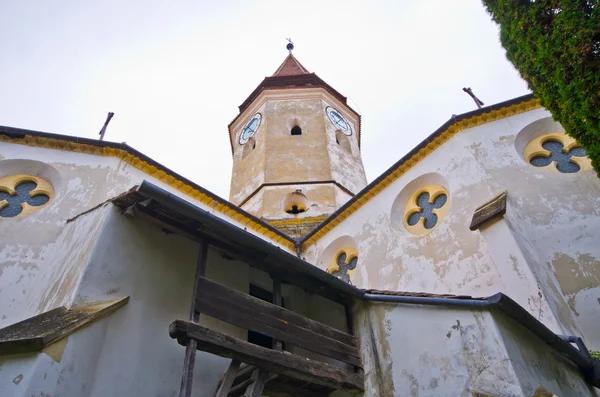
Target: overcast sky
174 72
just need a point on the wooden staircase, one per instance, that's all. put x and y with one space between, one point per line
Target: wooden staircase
246 381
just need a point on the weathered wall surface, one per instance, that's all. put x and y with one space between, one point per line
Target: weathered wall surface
544 253
420 351
282 158
130 352
41 255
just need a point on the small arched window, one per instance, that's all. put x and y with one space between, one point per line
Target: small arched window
296 130
248 147
296 203
343 140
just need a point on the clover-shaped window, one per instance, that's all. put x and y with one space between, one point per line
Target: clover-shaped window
557 151
22 195
343 264
426 209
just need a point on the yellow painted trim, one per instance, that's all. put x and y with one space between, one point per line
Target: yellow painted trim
9 183
535 149
426 151
350 252
145 167
296 221
411 207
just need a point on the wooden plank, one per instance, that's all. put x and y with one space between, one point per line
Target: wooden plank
247 301
494 208
277 301
189 359
258 379
37 332
250 318
228 379
282 363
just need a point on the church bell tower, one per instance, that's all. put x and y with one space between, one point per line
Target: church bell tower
296 150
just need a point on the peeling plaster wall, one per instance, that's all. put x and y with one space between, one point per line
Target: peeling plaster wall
453 352
129 352
269 203
40 275
41 255
545 254
280 157
249 172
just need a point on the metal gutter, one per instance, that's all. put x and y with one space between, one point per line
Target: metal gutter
589 366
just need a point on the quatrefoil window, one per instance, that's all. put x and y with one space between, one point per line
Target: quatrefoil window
425 209
557 151
22 195
344 264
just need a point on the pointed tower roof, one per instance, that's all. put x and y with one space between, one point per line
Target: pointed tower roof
291 74
290 66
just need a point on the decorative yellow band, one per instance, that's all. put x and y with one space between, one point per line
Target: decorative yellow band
154 172
452 130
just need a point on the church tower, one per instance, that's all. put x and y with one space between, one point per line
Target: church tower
296 150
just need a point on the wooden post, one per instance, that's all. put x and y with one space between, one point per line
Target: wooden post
189 360
277 300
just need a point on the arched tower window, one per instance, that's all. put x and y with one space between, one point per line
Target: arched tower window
296 130
296 203
248 147
343 140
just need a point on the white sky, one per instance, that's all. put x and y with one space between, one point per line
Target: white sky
174 72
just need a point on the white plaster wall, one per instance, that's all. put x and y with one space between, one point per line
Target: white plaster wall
412 350
553 225
129 352
42 253
88 180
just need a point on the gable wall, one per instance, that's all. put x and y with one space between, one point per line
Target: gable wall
544 254
41 254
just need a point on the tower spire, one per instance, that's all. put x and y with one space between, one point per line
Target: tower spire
290 45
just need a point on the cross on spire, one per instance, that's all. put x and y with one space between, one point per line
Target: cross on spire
478 102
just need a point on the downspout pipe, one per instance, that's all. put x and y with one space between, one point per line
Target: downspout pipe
589 366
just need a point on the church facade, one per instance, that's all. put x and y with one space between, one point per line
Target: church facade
470 267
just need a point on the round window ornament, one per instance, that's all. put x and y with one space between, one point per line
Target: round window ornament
22 194
557 151
250 128
338 120
426 209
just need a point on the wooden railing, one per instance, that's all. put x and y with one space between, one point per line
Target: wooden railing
245 311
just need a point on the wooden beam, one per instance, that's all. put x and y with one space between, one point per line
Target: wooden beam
277 301
258 380
213 290
228 379
189 360
281 363
37 332
252 318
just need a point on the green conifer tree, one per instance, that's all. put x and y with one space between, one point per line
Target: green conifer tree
555 46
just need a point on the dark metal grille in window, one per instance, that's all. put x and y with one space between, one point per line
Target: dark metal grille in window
22 195
427 210
563 160
344 267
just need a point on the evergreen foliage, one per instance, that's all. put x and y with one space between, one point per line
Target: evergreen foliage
555 45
